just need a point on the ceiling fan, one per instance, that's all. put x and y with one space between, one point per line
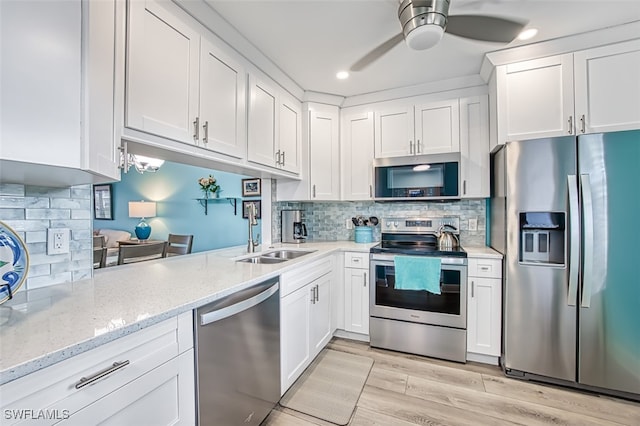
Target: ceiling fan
425 21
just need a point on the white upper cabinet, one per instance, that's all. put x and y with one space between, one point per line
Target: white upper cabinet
274 127
590 91
437 127
180 85
222 101
425 128
263 122
289 153
394 131
474 147
162 73
57 97
607 81
535 98
357 156
324 156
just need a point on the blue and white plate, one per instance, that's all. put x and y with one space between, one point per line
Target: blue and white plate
14 261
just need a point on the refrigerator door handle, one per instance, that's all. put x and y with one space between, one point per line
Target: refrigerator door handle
587 213
574 244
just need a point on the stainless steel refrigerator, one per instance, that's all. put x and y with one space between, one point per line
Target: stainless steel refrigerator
565 212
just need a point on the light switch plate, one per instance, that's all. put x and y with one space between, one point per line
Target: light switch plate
58 241
349 224
473 224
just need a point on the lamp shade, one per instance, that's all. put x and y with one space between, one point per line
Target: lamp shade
142 209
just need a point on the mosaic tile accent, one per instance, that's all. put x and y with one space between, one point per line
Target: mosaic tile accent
327 220
31 210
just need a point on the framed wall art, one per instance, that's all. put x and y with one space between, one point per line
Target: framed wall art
102 202
245 211
251 187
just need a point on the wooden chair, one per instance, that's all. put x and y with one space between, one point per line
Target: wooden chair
99 257
141 252
179 244
99 241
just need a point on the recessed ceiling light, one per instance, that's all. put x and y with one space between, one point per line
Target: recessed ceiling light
342 75
527 34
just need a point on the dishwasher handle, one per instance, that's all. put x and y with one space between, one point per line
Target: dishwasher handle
241 306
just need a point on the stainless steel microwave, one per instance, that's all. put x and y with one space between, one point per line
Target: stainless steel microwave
425 177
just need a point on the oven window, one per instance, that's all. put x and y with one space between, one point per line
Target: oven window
448 302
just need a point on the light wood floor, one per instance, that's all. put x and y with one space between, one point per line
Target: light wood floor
404 390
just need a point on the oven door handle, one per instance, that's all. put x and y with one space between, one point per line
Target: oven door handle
443 260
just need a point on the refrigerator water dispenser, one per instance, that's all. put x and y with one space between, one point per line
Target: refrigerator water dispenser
542 238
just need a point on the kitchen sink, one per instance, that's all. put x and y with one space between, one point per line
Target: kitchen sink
262 259
285 254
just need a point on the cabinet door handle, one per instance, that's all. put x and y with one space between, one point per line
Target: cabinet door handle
205 127
283 159
464 187
196 129
317 293
473 284
365 279
84 381
583 126
278 158
314 191
313 295
410 147
570 124
418 148
370 191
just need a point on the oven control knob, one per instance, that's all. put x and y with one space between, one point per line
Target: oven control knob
389 224
396 224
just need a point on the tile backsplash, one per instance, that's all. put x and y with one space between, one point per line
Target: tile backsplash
31 210
327 220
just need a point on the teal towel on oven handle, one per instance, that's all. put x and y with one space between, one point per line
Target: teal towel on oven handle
417 273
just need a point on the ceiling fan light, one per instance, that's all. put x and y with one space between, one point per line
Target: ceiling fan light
424 36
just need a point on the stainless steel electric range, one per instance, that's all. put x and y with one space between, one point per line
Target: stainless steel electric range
418 321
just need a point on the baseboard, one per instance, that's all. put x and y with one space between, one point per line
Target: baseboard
351 335
485 359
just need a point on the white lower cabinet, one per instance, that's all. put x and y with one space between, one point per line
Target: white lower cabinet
144 378
356 293
484 310
305 317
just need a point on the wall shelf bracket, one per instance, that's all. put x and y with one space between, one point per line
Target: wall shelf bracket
204 202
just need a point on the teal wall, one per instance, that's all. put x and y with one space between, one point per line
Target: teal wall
174 187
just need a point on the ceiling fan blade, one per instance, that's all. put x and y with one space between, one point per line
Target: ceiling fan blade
484 28
377 52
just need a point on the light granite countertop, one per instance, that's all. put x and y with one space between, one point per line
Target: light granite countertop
483 252
41 327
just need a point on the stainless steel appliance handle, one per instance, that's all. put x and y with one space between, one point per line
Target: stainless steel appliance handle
236 308
84 381
587 217
443 260
574 244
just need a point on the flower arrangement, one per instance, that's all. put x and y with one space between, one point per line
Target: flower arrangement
208 184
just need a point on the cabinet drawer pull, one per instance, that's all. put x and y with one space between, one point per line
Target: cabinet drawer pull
196 129
84 381
570 131
355 260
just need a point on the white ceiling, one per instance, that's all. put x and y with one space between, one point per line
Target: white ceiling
310 40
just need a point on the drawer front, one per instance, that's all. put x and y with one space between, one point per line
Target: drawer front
486 268
293 280
356 260
54 387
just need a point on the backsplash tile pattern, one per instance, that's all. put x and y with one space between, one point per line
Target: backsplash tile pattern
327 220
31 210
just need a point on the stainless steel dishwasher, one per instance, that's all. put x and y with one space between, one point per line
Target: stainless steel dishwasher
238 356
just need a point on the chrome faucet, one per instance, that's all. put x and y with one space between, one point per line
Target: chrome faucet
252 213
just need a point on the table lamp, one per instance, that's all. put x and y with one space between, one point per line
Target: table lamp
142 209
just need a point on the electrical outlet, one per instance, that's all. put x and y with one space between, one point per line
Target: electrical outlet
349 223
57 241
473 224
